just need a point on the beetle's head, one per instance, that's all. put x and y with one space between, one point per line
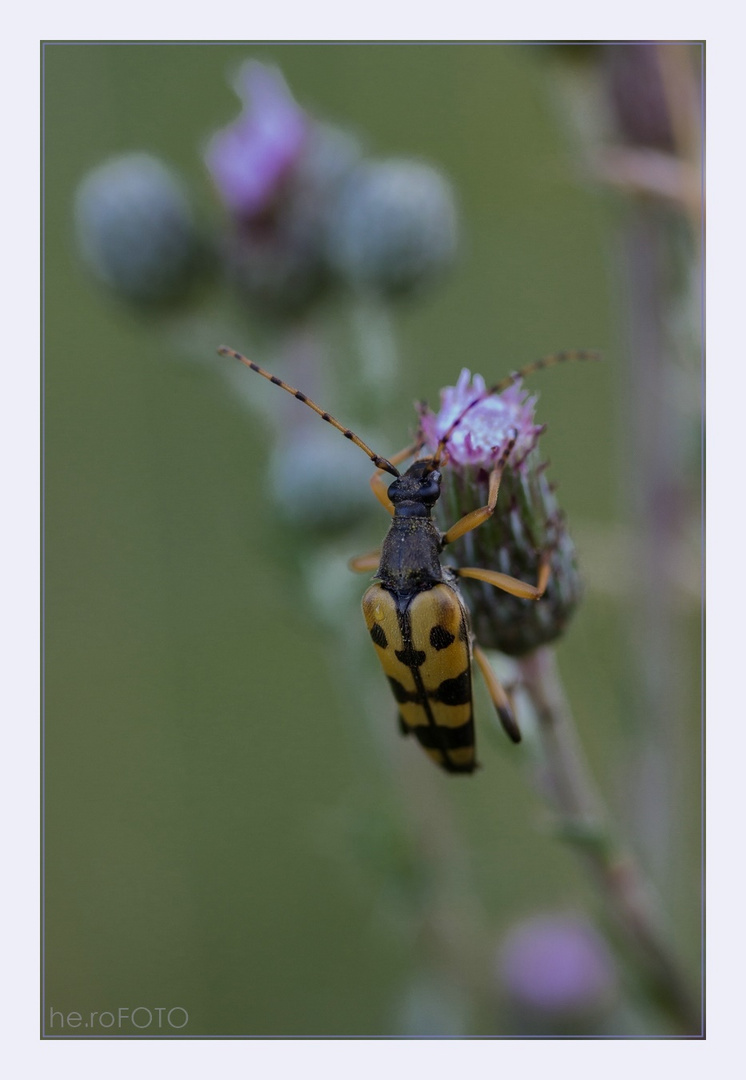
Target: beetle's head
419 485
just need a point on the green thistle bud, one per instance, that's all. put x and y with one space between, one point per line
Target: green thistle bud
136 230
396 227
527 525
318 486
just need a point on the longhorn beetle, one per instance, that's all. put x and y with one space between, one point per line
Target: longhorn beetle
414 612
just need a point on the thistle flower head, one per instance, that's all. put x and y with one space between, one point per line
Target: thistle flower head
250 159
528 525
309 216
485 429
278 171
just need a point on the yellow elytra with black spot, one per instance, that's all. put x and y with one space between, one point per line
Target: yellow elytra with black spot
423 643
419 625
414 614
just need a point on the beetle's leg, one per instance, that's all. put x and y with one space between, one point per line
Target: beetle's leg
510 584
408 451
475 518
499 697
365 564
379 485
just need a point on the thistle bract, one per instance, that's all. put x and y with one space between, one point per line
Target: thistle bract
528 521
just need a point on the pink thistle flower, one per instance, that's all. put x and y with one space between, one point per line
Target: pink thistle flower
251 157
528 524
486 428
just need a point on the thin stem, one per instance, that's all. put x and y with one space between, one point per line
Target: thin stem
371 321
658 241
564 780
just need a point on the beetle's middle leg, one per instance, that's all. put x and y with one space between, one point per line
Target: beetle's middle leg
367 563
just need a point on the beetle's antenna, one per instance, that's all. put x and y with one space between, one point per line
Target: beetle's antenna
529 369
378 461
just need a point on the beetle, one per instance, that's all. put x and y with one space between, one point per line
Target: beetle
415 614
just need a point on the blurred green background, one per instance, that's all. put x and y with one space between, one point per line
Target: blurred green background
210 800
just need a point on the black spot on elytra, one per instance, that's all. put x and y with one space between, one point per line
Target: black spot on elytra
401 694
378 634
440 638
413 658
454 691
450 738
404 727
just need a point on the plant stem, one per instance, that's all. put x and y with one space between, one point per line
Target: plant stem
659 266
565 782
376 341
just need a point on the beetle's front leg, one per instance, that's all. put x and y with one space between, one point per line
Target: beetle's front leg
379 485
475 518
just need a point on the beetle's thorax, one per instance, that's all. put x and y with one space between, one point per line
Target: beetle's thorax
410 556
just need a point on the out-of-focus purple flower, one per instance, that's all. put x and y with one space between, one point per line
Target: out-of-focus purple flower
557 964
308 215
278 262
250 159
483 433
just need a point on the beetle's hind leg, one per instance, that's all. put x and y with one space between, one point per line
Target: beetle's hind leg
500 699
510 584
